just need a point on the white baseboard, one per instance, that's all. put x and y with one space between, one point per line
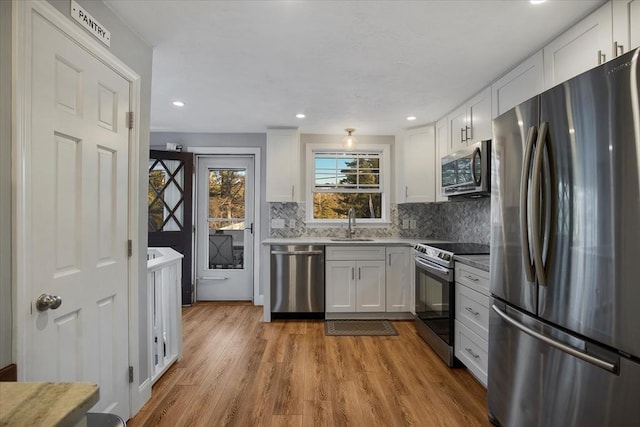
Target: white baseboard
139 398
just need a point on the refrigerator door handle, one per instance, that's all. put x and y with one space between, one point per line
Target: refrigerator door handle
524 205
608 366
549 205
535 226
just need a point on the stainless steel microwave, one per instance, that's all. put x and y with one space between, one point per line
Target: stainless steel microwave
467 172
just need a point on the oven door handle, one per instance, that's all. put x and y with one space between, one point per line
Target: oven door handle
443 271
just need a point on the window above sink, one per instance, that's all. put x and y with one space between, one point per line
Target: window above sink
338 180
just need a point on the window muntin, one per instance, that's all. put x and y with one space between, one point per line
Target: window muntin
341 180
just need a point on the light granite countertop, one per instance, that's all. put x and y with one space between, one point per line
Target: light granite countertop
328 241
478 261
45 404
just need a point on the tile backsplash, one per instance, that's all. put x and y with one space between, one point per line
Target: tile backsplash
466 221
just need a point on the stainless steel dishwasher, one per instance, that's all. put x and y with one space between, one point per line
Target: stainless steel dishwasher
297 281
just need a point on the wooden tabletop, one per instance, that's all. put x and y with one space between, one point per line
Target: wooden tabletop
45 404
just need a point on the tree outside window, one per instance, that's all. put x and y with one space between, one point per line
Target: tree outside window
345 180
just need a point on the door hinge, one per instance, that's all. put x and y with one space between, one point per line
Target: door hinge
129 248
130 374
130 120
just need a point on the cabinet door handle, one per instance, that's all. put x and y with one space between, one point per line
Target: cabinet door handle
353 273
406 191
470 310
473 279
467 131
618 49
475 356
462 135
602 58
359 274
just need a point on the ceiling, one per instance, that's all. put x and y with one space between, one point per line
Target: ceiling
243 66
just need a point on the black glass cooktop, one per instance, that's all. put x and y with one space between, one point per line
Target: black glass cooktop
462 248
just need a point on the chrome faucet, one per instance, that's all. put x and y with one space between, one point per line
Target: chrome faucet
351 216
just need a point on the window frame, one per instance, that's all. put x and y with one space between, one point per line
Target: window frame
384 150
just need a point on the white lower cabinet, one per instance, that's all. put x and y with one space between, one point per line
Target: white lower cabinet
340 290
472 351
370 286
355 279
472 319
399 279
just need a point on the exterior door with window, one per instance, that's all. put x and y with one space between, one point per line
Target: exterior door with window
171 207
225 225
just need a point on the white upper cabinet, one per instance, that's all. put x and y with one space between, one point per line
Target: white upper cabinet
471 122
283 165
415 165
458 128
584 46
523 82
626 26
443 148
479 117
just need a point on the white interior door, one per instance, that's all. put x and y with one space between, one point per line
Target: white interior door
225 228
76 204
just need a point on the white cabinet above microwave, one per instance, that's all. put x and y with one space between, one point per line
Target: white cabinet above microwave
471 122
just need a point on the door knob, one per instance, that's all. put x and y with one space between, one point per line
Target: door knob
47 301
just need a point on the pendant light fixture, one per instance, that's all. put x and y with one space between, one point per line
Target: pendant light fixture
349 141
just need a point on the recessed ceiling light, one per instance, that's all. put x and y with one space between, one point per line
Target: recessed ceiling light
537 1
300 116
178 103
410 118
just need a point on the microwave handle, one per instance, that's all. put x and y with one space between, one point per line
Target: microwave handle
477 179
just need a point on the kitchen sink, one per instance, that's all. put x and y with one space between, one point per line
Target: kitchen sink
351 239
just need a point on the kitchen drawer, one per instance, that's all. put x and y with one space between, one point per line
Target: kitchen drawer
355 253
471 350
473 277
472 309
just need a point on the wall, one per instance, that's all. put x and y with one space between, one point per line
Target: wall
137 54
6 320
159 142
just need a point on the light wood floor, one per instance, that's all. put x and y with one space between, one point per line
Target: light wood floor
238 371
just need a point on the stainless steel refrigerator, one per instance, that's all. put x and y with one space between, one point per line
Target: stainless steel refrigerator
564 335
